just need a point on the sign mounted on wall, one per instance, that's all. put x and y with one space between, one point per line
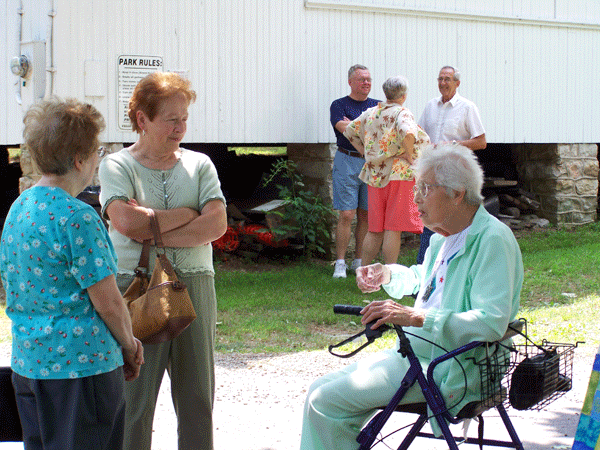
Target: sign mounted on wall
131 69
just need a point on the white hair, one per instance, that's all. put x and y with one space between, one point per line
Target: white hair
456 75
455 167
395 87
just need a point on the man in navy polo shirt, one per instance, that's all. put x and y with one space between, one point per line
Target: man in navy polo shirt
349 192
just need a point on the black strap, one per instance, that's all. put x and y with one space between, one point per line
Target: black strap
346 341
353 153
480 432
368 332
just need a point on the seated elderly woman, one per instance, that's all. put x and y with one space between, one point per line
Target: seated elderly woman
468 290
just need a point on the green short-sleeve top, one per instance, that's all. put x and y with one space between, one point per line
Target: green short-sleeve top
192 182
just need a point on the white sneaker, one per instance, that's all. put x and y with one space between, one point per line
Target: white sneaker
356 264
340 269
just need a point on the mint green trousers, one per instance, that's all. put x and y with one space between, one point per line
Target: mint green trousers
339 404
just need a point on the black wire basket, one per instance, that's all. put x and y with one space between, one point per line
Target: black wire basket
493 370
527 376
540 374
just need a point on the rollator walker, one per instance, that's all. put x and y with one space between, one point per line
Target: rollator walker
528 376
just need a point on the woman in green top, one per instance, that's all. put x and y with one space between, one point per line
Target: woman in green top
183 189
468 290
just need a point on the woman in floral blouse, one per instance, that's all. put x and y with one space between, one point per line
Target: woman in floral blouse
72 343
390 139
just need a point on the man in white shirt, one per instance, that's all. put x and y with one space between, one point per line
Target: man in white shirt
450 118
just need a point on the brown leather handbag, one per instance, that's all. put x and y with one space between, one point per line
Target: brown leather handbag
160 308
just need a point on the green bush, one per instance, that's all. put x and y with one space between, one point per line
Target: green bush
305 214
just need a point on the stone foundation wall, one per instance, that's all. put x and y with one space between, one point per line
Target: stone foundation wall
315 161
564 179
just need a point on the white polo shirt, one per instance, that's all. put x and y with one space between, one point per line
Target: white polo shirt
456 120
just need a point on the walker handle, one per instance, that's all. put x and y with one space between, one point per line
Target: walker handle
350 310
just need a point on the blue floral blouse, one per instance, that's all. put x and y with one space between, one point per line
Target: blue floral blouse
53 248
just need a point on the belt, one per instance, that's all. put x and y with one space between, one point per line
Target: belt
350 152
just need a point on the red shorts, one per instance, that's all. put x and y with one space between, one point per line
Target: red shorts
393 208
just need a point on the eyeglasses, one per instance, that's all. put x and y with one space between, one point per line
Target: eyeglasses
423 189
363 80
102 151
445 79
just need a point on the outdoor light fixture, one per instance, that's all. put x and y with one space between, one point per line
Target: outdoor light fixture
19 66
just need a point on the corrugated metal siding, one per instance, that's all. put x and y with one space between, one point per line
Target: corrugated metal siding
528 65
266 71
559 12
10 111
21 22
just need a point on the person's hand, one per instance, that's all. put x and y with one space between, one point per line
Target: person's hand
388 311
408 145
133 360
370 278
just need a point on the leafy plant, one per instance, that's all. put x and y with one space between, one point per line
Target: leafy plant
305 213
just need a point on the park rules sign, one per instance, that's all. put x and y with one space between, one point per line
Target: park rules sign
131 69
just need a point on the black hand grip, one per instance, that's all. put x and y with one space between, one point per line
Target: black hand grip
347 309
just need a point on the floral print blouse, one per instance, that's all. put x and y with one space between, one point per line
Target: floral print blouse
379 133
53 248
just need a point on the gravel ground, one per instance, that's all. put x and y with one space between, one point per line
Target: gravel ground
259 403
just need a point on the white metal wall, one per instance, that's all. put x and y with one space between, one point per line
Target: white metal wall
10 111
23 25
266 71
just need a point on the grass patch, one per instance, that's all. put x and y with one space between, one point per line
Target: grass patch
287 306
14 154
565 322
560 265
265 151
284 309
561 289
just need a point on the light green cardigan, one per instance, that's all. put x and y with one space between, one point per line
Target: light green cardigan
481 296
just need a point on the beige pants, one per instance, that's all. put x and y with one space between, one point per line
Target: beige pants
189 360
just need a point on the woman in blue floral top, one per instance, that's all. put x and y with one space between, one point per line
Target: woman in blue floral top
72 343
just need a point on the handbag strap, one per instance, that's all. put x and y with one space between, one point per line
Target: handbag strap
144 257
142 268
166 264
156 230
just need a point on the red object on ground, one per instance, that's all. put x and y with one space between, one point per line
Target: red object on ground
230 241
263 235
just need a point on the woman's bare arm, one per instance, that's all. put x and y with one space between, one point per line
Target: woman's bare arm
209 226
133 221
